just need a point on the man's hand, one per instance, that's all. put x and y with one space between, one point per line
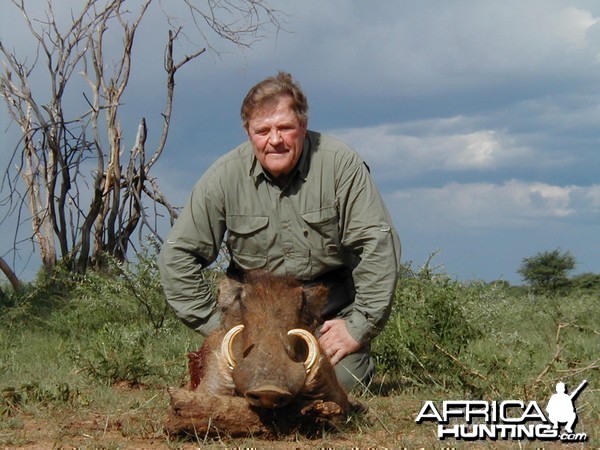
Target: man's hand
336 341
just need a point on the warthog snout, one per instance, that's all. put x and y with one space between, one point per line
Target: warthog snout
268 396
262 369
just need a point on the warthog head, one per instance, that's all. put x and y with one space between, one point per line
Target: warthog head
269 346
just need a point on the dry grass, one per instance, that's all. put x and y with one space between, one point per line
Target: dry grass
132 418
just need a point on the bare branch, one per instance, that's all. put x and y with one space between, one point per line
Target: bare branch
241 22
86 197
556 355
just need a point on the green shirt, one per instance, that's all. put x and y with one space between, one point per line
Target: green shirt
329 216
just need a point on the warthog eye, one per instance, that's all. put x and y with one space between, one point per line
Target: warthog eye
248 350
314 351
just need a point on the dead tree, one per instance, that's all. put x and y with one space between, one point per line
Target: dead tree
10 275
64 159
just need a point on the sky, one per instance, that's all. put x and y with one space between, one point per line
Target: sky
480 120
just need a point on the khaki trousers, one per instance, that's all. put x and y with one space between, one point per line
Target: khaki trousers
356 371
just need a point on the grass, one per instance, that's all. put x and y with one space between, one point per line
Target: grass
87 365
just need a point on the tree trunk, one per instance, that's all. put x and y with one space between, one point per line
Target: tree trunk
12 277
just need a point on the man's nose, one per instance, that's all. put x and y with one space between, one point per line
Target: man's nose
275 136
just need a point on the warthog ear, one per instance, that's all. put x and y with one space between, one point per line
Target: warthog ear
229 295
315 299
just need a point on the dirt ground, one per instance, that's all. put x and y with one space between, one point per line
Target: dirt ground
98 433
390 423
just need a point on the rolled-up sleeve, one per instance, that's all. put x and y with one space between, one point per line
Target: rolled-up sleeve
368 233
192 244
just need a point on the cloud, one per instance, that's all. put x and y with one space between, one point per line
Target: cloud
411 149
416 48
510 205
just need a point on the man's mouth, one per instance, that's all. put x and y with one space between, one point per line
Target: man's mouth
283 151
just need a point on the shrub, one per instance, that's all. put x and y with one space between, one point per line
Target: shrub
11 398
37 300
428 328
124 292
116 354
586 282
114 325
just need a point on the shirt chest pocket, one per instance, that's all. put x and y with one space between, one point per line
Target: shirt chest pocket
322 230
247 240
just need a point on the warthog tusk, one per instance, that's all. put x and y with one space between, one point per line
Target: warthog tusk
313 347
227 345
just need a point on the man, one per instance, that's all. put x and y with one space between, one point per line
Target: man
560 407
296 203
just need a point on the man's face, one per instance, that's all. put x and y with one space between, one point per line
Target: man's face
277 136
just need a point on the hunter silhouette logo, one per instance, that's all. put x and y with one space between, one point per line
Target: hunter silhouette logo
561 408
471 420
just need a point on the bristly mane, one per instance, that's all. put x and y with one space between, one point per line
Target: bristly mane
262 276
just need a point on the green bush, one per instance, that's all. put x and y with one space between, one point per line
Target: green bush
126 332
37 300
113 325
14 398
587 283
428 329
122 293
117 354
481 340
